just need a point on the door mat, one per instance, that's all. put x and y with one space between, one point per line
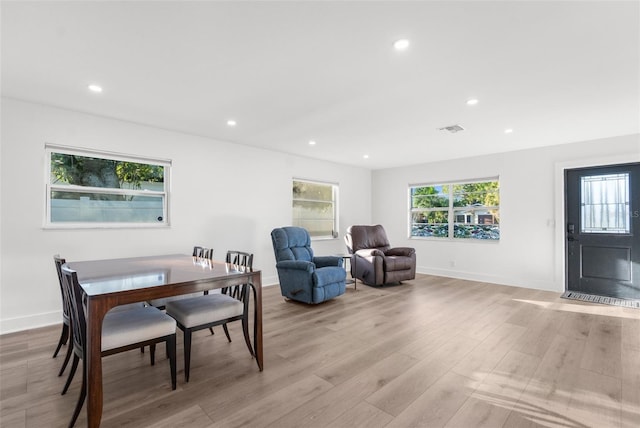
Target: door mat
627 303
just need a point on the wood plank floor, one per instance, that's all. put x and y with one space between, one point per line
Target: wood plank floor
430 352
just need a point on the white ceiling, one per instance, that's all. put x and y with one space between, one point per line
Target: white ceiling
290 72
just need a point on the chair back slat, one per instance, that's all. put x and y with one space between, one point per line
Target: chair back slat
59 261
240 258
75 295
203 252
244 260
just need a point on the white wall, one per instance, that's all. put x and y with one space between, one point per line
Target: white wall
230 197
224 195
531 249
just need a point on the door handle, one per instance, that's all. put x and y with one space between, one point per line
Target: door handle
572 239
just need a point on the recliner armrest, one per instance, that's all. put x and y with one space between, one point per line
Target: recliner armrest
400 251
296 265
324 261
369 252
328 275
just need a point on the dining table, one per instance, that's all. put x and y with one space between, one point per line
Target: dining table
114 282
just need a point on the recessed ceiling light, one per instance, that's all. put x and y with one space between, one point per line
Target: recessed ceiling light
401 45
231 122
366 156
95 88
312 143
472 101
508 131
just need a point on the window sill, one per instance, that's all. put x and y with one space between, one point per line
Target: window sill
323 238
434 239
109 226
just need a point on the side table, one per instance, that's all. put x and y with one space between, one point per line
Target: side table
345 258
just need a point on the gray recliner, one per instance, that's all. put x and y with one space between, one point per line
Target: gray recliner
373 260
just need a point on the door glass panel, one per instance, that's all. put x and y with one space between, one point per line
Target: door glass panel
605 204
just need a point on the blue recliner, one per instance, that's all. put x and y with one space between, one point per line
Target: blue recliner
304 277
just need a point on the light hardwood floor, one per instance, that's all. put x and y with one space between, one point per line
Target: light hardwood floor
430 352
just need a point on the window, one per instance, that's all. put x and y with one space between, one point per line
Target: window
315 208
468 210
92 189
605 204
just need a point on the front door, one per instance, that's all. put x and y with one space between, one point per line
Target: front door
602 230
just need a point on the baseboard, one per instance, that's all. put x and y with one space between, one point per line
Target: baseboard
45 319
270 280
493 279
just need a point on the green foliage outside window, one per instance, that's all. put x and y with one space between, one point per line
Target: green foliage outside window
469 194
108 173
461 210
430 196
102 173
90 190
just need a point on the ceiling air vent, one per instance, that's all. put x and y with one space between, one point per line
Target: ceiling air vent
453 128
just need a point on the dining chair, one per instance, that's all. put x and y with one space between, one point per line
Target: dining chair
241 260
244 261
122 330
66 328
238 258
202 252
66 320
200 255
206 311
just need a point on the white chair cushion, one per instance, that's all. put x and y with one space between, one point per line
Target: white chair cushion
123 328
163 302
126 307
204 309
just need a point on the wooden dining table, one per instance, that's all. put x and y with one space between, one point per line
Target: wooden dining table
109 283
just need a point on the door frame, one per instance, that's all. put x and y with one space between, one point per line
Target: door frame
560 269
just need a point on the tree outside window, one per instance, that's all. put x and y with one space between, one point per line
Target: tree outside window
456 210
90 188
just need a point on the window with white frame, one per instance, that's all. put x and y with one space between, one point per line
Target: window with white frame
315 207
460 210
87 188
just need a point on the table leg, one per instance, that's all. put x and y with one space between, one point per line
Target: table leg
257 332
355 273
352 267
346 259
95 313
